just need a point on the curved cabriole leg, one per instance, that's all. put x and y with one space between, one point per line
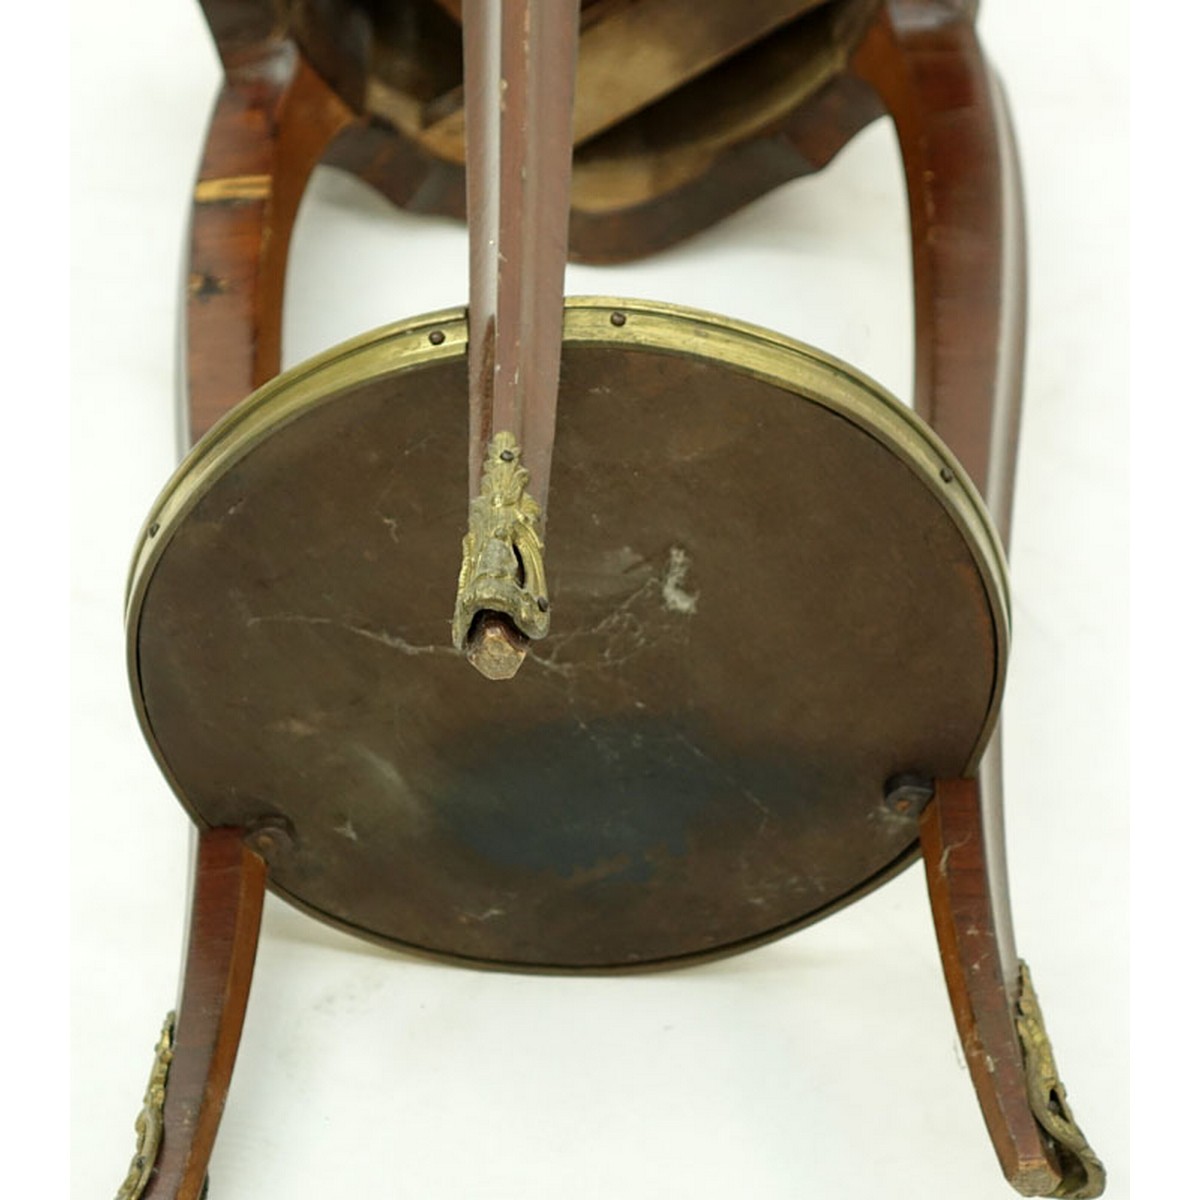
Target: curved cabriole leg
969 297
968 234
273 120
195 1056
1041 1149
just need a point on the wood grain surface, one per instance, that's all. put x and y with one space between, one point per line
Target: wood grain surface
227 899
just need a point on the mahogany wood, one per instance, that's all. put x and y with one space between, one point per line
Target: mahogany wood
291 98
968 236
752 120
632 54
227 899
520 70
274 117
968 241
960 864
520 62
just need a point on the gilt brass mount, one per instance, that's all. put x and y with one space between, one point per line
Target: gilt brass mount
1083 1174
149 1123
502 569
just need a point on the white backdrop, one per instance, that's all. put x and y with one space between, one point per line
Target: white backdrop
825 1065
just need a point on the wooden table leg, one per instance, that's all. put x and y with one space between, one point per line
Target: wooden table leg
925 62
273 120
187 1092
1041 1150
968 234
519 57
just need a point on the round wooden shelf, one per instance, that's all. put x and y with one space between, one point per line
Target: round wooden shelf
772 590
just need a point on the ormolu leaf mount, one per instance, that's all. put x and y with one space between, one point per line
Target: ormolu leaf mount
740 666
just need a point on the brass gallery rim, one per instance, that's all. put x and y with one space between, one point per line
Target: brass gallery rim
668 328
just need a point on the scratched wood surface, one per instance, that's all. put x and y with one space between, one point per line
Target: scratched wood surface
273 119
226 912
